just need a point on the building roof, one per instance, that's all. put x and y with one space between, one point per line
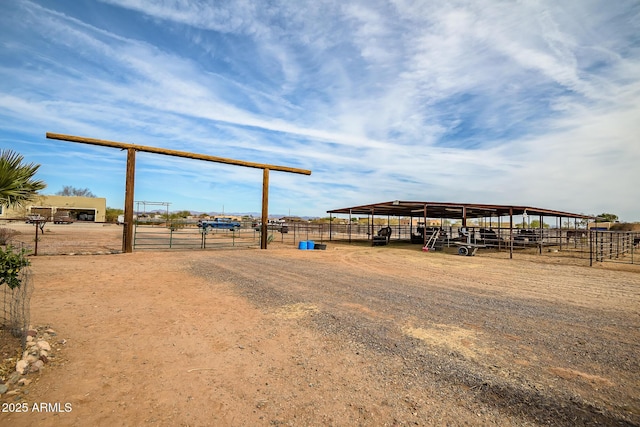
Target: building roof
450 210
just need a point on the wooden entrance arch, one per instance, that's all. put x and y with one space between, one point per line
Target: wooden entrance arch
127 234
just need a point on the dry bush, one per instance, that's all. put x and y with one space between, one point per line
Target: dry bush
6 235
626 226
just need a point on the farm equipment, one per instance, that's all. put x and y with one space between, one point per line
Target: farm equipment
431 242
433 238
276 225
465 247
383 237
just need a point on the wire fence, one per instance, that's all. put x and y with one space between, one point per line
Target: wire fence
16 304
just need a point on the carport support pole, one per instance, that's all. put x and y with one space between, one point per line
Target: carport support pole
510 233
127 229
330 224
372 221
424 227
560 234
541 233
264 230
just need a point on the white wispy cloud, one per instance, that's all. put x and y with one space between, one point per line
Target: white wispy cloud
527 102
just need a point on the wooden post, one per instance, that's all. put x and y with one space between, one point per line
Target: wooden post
127 230
37 223
264 230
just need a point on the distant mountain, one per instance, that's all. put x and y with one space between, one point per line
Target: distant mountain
251 214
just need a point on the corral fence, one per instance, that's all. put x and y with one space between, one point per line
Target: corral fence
187 235
616 246
588 246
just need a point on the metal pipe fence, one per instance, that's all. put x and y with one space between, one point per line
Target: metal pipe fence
178 235
588 246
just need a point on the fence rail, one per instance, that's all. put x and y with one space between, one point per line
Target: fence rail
181 236
588 246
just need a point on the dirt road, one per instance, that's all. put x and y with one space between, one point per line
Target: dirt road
353 335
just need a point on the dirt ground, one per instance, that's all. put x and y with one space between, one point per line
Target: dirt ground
353 335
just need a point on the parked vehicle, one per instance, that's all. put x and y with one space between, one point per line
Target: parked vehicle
62 218
32 219
273 224
219 223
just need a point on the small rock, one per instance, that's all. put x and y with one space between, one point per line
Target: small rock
31 358
29 338
32 333
21 367
39 364
44 358
43 345
51 332
3 388
14 377
24 382
62 341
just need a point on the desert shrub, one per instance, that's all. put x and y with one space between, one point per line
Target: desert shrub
626 226
11 262
6 234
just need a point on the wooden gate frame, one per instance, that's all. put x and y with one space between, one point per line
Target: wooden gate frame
127 232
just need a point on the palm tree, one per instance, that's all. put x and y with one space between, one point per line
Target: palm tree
17 185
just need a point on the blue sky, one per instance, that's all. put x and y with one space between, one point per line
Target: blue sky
504 102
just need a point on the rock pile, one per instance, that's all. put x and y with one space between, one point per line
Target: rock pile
37 354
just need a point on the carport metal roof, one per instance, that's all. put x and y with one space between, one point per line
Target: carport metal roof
450 210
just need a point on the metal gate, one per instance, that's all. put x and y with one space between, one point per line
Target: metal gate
615 246
178 236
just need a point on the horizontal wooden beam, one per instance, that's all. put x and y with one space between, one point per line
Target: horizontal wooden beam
185 154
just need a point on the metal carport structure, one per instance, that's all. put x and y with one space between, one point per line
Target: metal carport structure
453 210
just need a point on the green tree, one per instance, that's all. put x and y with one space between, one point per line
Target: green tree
69 190
111 214
607 217
535 223
17 185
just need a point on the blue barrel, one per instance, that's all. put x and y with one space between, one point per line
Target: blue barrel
310 244
302 244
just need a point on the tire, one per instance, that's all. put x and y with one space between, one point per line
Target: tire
462 250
